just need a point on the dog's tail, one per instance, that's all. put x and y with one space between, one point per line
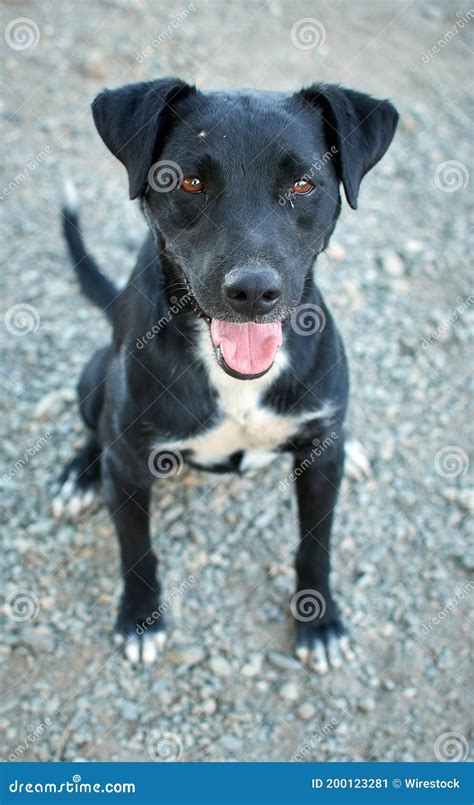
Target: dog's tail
94 284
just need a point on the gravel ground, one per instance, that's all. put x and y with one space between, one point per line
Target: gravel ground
396 278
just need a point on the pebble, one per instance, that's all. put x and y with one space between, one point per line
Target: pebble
220 667
463 497
52 403
231 743
253 667
407 498
209 707
39 638
336 251
290 692
130 711
413 246
193 656
104 690
283 661
42 525
306 711
393 264
366 704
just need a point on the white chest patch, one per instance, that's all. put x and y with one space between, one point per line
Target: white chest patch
245 424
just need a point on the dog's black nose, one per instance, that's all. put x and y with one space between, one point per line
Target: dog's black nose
252 291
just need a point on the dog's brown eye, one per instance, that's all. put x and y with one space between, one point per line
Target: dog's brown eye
301 186
192 184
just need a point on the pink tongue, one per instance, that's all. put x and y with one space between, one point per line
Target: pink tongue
247 348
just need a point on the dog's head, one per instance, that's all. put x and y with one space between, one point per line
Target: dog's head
243 188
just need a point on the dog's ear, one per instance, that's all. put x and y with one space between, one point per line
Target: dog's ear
133 122
359 128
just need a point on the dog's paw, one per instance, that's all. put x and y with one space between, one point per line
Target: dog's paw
72 496
142 638
78 484
323 645
356 464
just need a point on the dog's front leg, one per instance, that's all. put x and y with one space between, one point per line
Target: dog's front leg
320 635
139 621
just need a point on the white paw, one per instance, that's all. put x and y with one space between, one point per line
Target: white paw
332 652
70 499
357 464
147 647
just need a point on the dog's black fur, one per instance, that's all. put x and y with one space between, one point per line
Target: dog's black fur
248 148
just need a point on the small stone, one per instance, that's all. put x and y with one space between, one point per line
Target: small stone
130 711
253 666
220 667
193 656
307 711
463 497
231 743
290 692
104 691
42 525
413 246
393 264
366 704
52 403
336 252
467 560
209 707
162 691
38 637
178 531
83 736
283 661
406 498
94 70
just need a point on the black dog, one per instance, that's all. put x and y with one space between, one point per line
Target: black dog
223 351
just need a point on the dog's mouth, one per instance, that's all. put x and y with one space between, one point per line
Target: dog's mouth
247 350
243 350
